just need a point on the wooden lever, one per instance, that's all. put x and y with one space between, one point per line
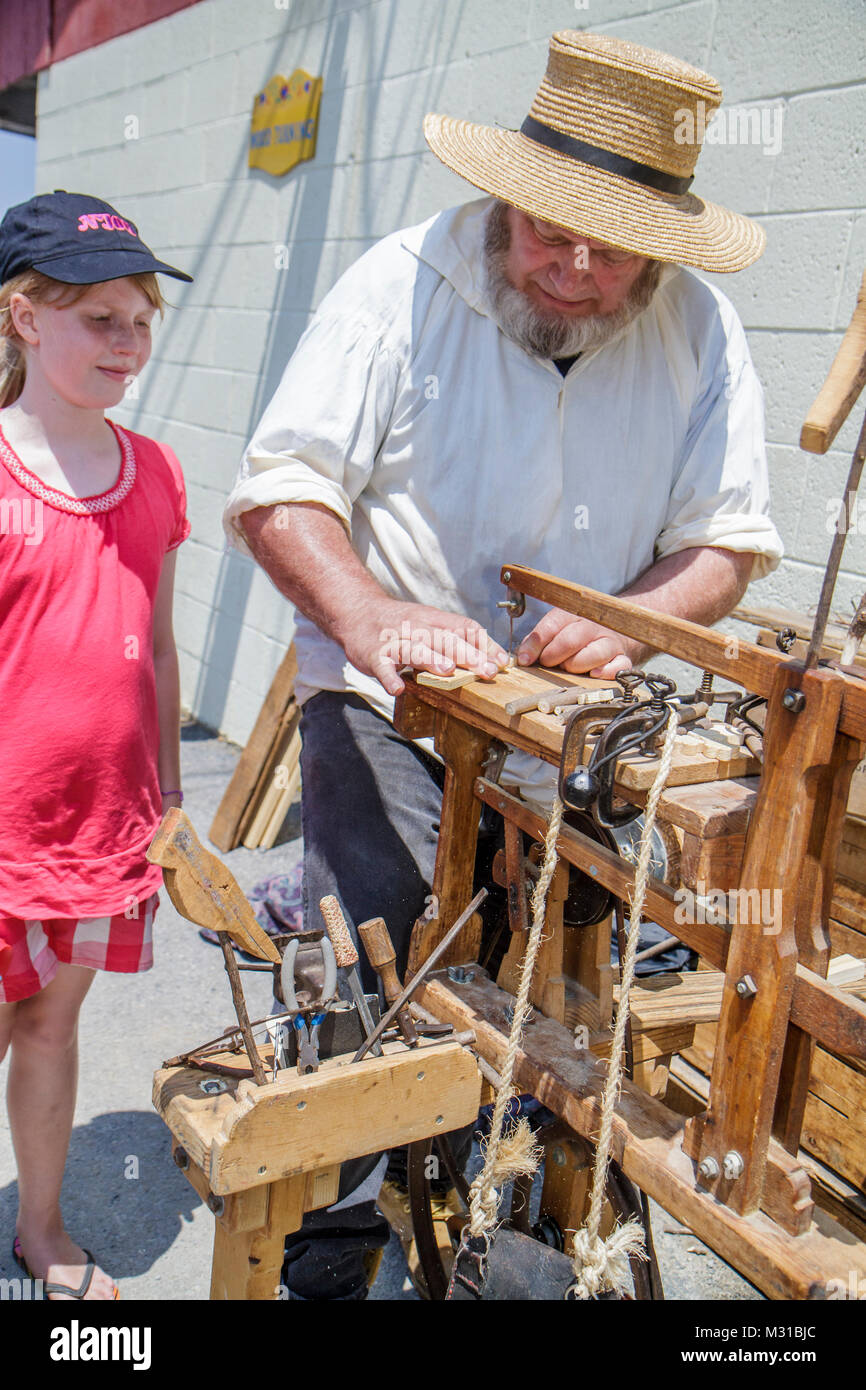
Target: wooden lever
383 958
845 380
202 889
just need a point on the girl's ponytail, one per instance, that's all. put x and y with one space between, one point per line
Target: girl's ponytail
13 370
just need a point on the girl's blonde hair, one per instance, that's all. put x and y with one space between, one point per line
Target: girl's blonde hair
41 289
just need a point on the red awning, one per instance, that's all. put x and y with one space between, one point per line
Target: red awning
36 33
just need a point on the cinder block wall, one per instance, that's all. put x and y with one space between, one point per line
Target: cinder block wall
157 122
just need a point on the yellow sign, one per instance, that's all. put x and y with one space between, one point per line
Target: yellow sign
285 122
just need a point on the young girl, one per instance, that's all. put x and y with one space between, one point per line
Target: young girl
90 518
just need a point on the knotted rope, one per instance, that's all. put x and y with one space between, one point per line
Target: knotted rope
601 1265
598 1264
509 1156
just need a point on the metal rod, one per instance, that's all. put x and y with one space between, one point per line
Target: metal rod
657 949
422 974
835 560
241 1008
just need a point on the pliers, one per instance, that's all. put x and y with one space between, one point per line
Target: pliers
307 1018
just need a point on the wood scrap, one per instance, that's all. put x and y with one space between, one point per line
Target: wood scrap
283 769
250 777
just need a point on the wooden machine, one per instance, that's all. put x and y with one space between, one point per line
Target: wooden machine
741 1116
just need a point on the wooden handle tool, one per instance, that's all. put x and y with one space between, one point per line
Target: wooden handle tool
383 958
347 959
202 889
845 381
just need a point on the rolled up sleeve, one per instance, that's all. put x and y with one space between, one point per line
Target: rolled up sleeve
317 441
721 493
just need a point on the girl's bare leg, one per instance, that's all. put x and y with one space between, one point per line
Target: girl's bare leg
43 1078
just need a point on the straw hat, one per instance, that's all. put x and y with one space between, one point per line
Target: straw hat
608 151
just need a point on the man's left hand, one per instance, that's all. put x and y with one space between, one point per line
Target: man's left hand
578 646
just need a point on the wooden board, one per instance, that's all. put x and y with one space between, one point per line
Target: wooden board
658 1001
251 1134
542 734
752 667
226 828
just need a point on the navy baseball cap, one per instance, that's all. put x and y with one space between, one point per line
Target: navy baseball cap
76 239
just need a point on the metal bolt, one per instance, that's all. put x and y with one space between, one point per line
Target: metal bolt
732 1164
213 1086
181 1158
506 576
216 1204
746 987
558 1156
794 700
708 1168
461 974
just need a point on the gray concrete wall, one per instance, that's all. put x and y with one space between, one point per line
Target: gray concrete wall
157 122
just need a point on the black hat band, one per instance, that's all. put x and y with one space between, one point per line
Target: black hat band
604 159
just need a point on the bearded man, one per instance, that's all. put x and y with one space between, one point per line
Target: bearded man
531 376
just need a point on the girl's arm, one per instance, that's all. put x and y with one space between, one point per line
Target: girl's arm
167 685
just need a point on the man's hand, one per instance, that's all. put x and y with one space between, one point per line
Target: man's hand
308 555
578 646
701 584
389 634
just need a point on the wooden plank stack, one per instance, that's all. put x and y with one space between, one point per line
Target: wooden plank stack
267 779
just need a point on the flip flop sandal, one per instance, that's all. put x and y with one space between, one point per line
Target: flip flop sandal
79 1293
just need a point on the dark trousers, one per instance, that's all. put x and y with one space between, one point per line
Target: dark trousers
370 814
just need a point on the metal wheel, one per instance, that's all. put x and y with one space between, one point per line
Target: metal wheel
622 1197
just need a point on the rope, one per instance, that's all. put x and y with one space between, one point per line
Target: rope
600 1265
516 1153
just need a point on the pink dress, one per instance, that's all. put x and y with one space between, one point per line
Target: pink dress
79 786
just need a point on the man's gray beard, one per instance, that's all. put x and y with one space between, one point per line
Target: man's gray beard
546 333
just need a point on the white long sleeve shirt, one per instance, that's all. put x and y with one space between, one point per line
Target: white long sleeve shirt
447 450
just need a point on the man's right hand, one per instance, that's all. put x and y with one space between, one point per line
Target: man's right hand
308 555
387 635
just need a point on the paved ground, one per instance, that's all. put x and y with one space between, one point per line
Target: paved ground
122 1196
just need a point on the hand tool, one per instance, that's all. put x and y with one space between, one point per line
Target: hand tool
515 605
307 1018
417 980
383 958
347 959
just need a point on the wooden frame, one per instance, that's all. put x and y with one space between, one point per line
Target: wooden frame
762 1219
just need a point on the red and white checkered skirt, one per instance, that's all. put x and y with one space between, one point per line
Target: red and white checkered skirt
122 943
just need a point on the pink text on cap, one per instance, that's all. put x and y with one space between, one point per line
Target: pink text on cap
109 222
